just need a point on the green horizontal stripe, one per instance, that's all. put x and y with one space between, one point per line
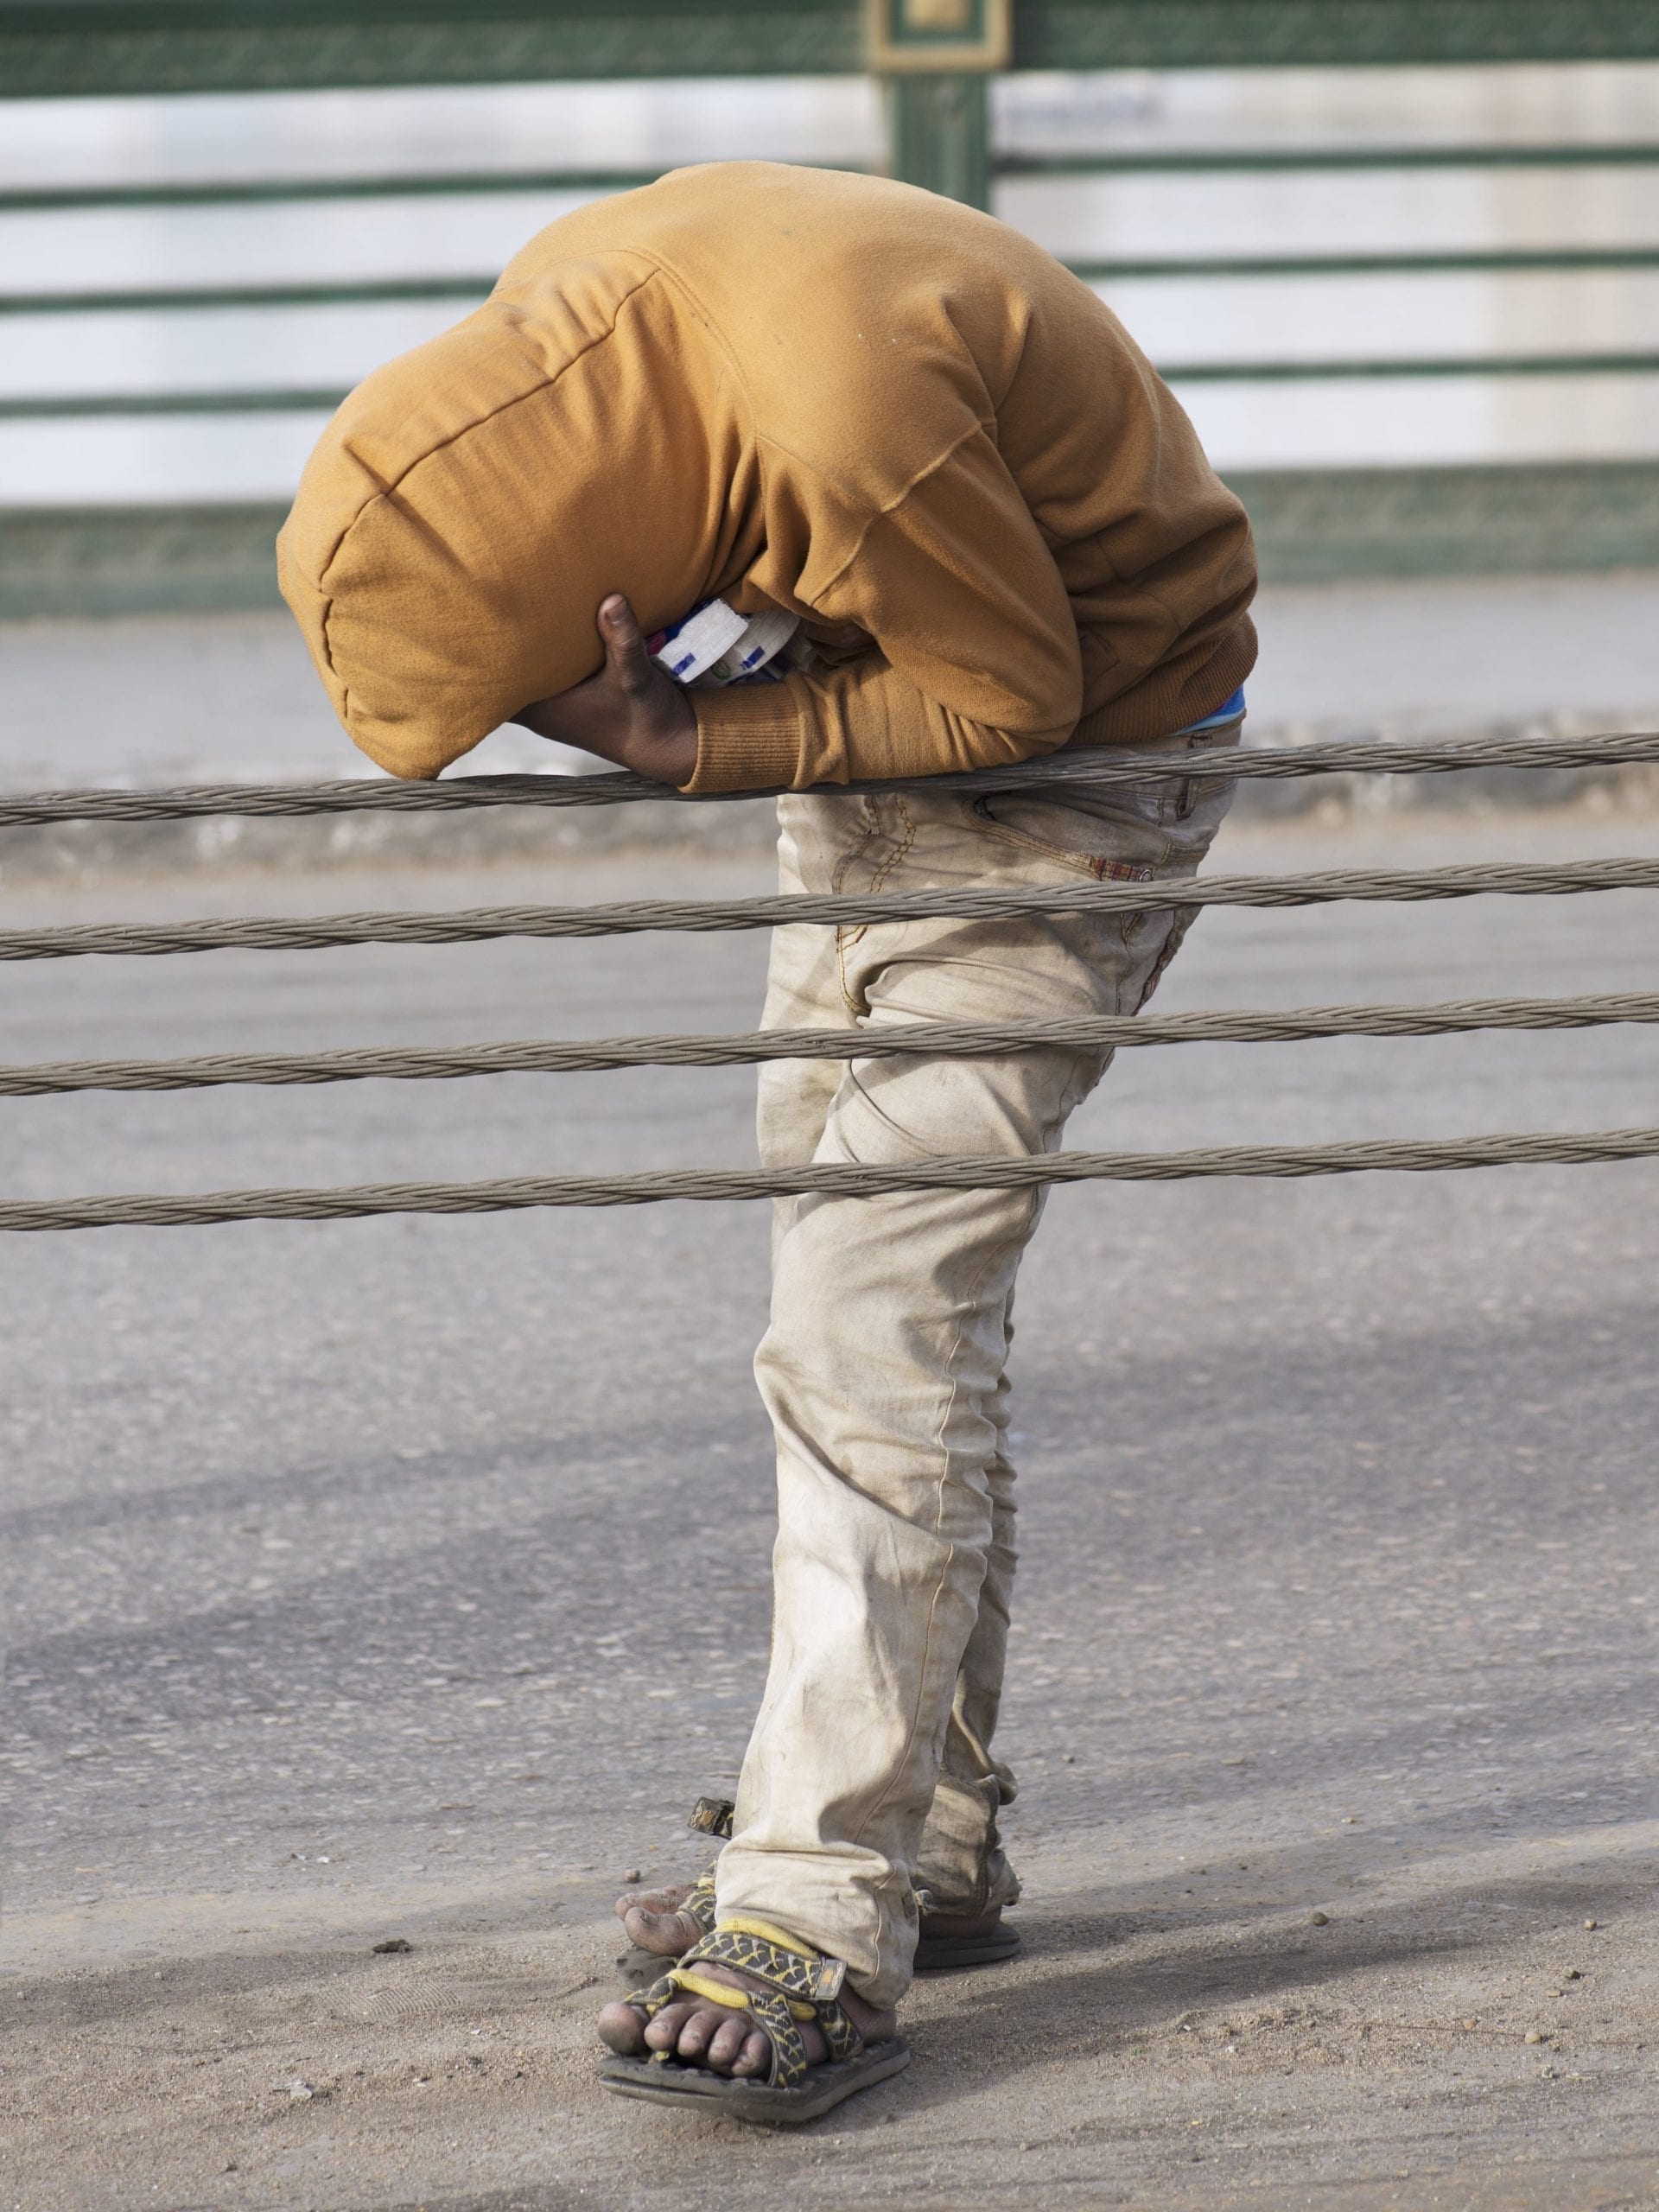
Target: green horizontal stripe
1501 261
250 192
1489 365
1197 161
57 47
303 400
76 405
1311 525
53 48
349 292
359 292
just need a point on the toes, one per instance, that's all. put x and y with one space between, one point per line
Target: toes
650 1901
700 2030
665 1934
755 2057
726 2043
701 2034
623 2028
664 2033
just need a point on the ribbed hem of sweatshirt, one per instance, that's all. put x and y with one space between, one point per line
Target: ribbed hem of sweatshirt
748 739
1173 697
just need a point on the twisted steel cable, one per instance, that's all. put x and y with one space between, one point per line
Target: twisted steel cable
849 1181
1084 765
472 925
942 1039
165 1211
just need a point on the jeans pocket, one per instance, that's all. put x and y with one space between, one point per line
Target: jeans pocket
1112 843
1197 804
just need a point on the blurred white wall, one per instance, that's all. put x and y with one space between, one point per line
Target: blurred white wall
1382 419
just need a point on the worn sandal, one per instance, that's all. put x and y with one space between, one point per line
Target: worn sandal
798 1985
946 1950
938 1950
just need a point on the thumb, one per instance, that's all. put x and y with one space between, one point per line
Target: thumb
625 649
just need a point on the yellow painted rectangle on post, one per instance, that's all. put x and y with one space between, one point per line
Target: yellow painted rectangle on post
902 35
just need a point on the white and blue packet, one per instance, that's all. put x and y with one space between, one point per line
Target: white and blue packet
715 645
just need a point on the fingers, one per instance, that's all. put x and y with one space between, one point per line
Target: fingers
625 649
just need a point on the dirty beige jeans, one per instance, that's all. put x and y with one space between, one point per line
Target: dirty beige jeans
870 1773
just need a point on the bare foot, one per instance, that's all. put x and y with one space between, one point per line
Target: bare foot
655 1923
699 2032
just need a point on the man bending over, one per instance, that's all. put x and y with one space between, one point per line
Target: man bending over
907 427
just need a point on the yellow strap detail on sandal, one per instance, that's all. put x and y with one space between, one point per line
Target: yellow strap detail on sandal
717 1993
767 1931
736 2000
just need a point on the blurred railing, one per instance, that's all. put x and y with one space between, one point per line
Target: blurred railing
938 55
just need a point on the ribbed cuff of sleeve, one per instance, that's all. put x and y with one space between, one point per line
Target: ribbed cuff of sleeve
748 739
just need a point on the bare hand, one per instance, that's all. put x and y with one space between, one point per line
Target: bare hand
631 712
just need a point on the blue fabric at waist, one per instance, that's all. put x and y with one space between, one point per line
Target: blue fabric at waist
1229 711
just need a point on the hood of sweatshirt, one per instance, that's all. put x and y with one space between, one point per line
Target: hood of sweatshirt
472 502
881 412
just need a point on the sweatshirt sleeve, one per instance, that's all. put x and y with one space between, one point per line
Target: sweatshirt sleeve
977 658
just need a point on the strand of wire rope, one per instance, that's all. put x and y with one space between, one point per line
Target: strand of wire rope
1091 765
471 925
168 1211
958 1041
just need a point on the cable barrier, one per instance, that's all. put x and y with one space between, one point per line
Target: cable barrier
872 1041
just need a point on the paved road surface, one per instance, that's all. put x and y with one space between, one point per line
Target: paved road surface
408 1578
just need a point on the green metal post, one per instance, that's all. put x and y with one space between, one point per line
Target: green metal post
939 135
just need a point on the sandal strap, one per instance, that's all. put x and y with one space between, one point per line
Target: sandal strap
651 2000
699 1905
800 1985
842 2038
773 2016
773 1957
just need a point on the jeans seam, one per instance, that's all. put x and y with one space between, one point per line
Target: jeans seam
1017 1240
846 938
992 1259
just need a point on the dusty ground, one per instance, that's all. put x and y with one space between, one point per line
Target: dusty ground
1156 2047
404 1581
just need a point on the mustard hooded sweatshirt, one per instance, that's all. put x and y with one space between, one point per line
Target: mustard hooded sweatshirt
881 411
